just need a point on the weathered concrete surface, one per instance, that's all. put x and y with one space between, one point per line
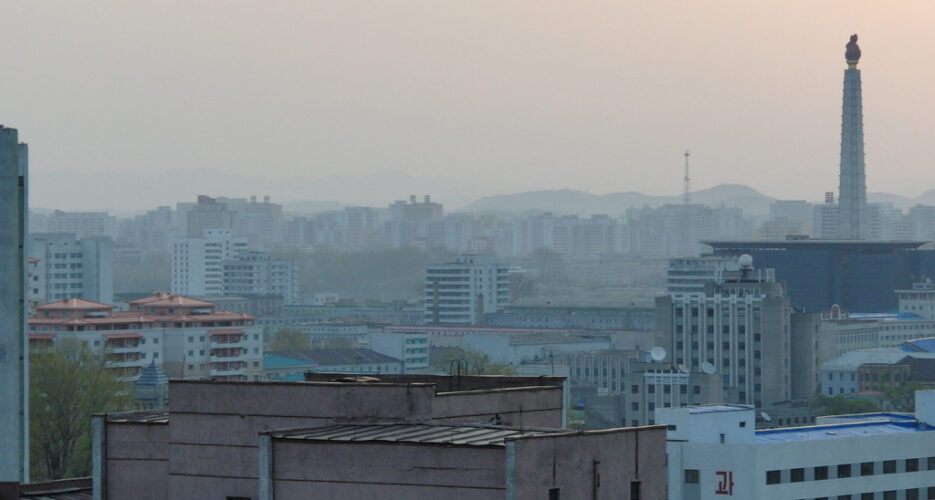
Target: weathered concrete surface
567 462
137 459
524 407
306 469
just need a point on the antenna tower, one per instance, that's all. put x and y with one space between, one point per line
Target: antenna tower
687 196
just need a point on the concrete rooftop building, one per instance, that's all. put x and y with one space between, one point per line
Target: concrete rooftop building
396 436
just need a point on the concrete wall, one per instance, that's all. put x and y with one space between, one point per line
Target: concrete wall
213 432
571 462
331 470
137 461
524 407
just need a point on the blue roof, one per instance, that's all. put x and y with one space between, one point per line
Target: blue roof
919 345
280 361
838 431
902 316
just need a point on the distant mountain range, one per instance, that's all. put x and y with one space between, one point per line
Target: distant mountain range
124 193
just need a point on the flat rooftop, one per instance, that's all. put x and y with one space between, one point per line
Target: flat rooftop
864 246
465 435
840 431
715 408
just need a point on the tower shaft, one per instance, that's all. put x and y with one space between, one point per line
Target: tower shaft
852 194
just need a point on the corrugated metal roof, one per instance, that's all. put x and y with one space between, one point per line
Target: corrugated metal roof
143 416
467 435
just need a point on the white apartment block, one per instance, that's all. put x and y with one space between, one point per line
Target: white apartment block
185 337
256 273
68 267
460 292
714 452
82 224
198 263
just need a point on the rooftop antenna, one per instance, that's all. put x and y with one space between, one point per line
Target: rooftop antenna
687 196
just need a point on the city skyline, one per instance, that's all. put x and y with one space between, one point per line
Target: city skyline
499 99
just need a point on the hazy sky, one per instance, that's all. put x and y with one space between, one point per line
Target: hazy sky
500 95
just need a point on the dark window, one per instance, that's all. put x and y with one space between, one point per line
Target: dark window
866 496
931 492
797 475
635 389
635 406
889 466
772 477
743 423
634 490
821 473
912 464
554 493
912 494
844 470
889 495
696 389
866 468
931 463
691 476
844 497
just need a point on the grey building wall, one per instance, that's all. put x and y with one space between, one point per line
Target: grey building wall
13 353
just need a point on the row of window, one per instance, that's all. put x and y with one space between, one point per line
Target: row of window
910 494
823 472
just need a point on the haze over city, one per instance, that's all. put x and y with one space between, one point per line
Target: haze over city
487 250
489 97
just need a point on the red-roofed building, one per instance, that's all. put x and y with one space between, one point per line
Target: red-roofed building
187 337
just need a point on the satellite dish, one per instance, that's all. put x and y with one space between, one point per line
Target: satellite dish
682 368
766 416
657 353
707 368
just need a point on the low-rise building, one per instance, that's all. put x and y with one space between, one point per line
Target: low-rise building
715 452
291 365
186 337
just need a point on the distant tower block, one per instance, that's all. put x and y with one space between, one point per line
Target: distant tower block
687 195
852 195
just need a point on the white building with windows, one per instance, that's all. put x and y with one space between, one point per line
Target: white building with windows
68 267
461 292
257 273
197 263
714 452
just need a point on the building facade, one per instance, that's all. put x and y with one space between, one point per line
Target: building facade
256 273
185 337
198 263
714 452
69 267
14 176
462 291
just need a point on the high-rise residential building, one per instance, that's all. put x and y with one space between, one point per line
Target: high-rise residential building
82 224
14 169
197 263
853 217
415 223
257 273
207 213
69 267
460 292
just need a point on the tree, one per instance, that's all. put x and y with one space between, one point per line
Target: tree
67 384
903 398
839 405
289 339
457 361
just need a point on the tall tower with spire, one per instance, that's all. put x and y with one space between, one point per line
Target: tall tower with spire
853 216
